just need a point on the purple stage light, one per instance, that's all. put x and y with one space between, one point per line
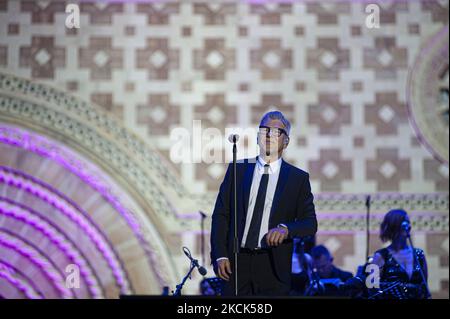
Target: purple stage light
85 171
16 212
19 247
24 288
44 192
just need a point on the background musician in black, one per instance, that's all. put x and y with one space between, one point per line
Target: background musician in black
323 264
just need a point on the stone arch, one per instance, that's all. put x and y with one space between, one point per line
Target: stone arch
110 200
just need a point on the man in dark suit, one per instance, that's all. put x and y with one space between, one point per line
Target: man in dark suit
274 205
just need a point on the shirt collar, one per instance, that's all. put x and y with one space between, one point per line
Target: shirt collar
273 167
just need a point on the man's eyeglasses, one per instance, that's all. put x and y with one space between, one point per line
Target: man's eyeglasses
271 131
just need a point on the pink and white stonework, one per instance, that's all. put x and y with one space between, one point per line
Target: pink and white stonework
86 115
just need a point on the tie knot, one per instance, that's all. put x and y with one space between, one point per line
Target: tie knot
266 168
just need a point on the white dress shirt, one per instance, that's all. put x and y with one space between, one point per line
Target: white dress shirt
274 172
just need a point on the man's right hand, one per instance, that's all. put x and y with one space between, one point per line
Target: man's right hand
224 269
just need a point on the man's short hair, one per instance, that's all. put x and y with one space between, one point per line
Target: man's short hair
277 115
320 251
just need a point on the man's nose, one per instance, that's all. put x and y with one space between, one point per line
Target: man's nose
269 135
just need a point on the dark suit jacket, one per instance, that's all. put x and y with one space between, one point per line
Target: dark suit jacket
292 205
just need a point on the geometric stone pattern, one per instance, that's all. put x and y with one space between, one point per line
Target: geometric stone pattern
154 64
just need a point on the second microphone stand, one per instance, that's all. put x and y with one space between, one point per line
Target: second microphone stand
416 261
180 286
235 241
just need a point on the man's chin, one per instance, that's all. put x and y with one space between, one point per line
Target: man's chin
267 151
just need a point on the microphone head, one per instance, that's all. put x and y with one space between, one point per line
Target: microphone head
187 252
233 138
406 226
202 270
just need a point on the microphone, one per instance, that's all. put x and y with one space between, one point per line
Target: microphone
233 138
316 286
201 269
406 226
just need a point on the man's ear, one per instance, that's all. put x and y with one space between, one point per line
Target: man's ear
286 141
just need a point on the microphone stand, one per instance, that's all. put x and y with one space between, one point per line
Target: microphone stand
180 286
194 264
202 236
315 288
235 243
367 227
416 260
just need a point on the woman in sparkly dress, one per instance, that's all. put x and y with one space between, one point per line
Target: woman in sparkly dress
400 264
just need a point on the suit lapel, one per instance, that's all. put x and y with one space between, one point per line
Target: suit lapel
282 181
246 185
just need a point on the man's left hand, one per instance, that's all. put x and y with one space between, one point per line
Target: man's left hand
276 236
